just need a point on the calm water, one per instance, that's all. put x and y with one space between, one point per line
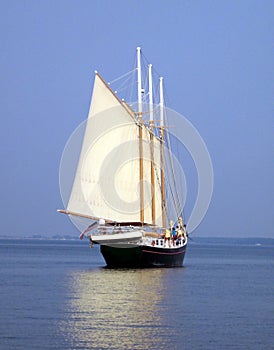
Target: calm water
57 295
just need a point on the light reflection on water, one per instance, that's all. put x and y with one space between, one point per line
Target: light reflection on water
116 309
54 296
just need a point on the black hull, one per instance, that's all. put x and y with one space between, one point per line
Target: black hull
143 256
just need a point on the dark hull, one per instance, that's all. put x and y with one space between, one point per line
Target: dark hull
143 256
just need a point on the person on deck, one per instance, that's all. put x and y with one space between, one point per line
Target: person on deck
174 235
180 222
179 235
167 236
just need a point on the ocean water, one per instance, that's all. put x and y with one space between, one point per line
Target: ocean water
57 295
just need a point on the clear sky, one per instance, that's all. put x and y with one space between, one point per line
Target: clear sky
216 60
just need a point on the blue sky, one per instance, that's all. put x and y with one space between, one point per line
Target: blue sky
216 60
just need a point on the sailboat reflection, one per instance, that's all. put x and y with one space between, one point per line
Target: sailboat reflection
116 309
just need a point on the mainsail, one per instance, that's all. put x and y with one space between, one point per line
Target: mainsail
107 181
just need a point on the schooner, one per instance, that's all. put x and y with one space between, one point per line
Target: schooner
120 184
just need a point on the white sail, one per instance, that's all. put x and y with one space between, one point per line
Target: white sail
151 147
107 182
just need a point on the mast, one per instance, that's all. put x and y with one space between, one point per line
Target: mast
150 87
150 94
161 104
162 134
141 163
139 81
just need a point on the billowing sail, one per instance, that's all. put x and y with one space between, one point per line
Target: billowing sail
107 180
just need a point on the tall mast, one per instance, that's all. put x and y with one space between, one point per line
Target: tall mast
141 163
150 87
162 134
150 94
139 80
161 103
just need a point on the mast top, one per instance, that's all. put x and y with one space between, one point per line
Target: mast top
139 78
150 93
161 102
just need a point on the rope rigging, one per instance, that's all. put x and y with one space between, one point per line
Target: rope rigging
127 82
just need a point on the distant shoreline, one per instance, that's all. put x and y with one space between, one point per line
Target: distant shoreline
194 239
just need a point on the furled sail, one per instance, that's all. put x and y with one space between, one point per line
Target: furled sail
107 182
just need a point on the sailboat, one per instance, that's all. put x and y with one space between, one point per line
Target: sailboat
121 182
